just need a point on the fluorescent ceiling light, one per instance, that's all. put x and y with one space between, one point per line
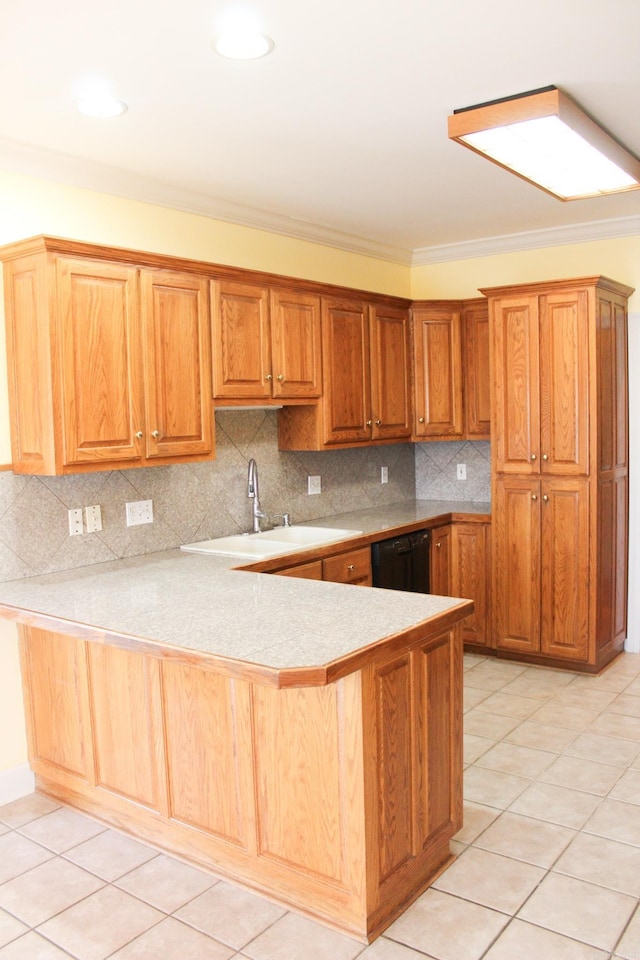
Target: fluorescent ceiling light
545 138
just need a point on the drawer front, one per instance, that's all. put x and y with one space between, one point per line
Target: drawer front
352 567
306 571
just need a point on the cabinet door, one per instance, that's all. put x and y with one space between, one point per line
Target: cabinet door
516 398
564 383
101 368
241 348
470 577
353 567
175 323
477 405
296 345
437 372
345 361
390 398
565 569
440 571
516 566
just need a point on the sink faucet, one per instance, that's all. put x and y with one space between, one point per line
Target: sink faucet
253 494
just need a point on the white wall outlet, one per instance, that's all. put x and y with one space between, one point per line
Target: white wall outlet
384 474
461 471
75 522
93 518
314 484
139 511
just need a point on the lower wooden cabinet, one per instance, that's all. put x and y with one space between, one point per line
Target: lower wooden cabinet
338 800
461 567
353 566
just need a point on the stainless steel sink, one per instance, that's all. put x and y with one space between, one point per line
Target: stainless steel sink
270 543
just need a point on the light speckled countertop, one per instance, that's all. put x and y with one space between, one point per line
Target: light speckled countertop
198 604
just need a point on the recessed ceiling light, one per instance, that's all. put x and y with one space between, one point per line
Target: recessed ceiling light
101 106
544 137
239 35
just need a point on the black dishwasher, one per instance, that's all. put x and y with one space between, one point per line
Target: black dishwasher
402 563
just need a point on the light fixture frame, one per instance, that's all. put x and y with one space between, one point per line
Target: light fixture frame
533 105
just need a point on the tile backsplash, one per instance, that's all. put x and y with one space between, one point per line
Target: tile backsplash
195 501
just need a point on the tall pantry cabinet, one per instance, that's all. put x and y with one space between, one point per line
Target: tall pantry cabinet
560 470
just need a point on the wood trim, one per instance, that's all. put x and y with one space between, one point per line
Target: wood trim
6 466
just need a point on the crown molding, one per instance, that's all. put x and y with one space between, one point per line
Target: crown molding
530 240
91 175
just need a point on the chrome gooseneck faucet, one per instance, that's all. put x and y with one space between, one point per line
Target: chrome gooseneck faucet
253 494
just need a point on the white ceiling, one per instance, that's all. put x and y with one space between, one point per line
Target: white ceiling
340 134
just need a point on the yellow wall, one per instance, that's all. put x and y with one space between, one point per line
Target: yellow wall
31 206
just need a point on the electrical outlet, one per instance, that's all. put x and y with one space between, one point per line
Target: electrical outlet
139 511
75 522
314 484
93 518
461 472
384 474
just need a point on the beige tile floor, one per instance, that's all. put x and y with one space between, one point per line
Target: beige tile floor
548 865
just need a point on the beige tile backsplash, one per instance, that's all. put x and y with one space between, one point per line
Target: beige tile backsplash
201 500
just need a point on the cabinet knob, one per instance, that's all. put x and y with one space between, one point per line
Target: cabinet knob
155 434
420 419
533 456
280 376
534 496
438 545
378 422
268 377
139 435
350 568
545 498
545 456
369 422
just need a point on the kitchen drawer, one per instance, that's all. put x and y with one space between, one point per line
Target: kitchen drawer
351 567
307 571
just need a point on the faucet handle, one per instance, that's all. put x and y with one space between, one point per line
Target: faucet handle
285 517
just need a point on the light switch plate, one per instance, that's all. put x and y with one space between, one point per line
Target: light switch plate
384 474
314 484
138 512
461 471
93 518
75 522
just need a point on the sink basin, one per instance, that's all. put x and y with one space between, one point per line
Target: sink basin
270 543
307 536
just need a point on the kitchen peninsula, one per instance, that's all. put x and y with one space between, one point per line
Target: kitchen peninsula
301 737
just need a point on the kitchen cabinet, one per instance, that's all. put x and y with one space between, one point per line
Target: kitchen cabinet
461 567
108 363
451 370
351 566
560 470
266 343
366 393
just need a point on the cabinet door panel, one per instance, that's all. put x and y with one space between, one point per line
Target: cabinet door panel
345 360
516 385
101 361
564 384
390 400
241 349
565 569
470 575
175 319
516 579
437 370
296 345
440 569
476 371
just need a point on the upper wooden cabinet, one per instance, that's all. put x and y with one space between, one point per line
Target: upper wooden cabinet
266 343
560 475
366 394
451 370
108 363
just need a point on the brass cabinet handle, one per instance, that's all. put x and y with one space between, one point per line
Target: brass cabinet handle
545 498
139 435
350 568
280 376
545 456
369 422
155 434
533 456
268 377
378 422
420 419
438 545
534 496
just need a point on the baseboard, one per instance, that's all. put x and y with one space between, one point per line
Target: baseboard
16 782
